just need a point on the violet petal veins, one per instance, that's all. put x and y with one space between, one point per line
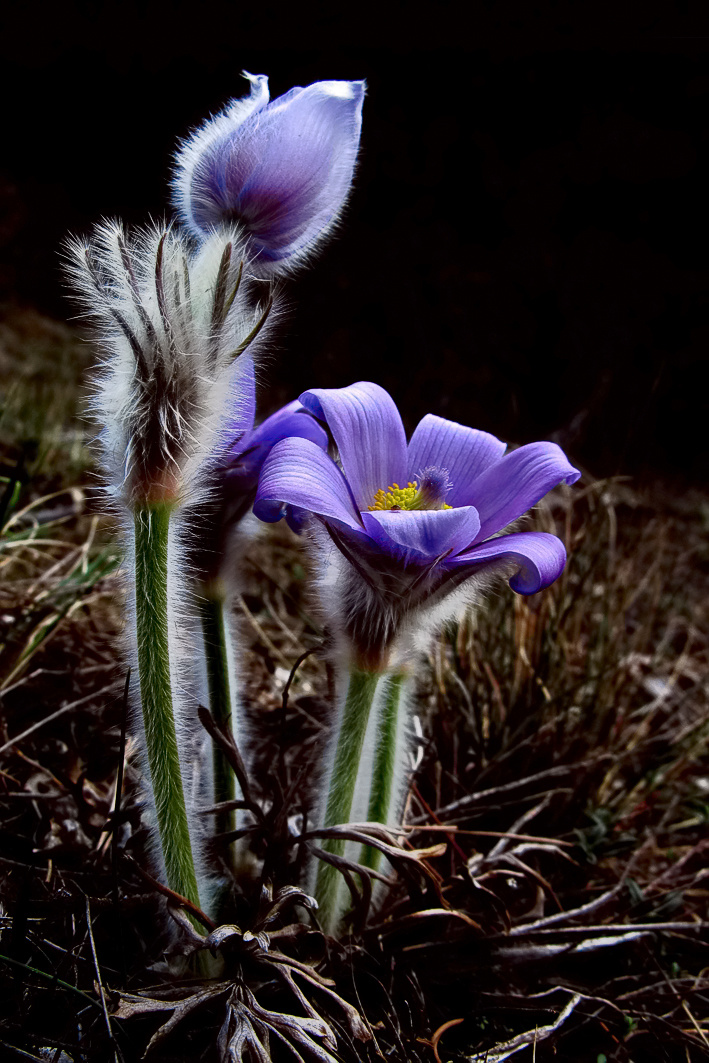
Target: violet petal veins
488 490
414 522
298 473
282 170
368 433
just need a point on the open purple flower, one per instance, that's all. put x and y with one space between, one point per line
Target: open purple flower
282 170
414 521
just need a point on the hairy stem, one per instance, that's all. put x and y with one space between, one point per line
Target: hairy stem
152 523
212 614
386 758
329 890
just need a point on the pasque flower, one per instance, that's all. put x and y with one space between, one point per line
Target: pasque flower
414 521
175 326
215 562
280 170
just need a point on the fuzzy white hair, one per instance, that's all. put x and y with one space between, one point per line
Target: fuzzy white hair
380 615
382 612
191 151
174 326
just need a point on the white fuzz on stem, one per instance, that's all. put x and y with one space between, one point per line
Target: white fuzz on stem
175 327
379 631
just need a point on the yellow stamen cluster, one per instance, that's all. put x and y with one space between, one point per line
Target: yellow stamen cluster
396 497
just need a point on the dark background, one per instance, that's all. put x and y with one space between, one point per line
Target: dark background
526 249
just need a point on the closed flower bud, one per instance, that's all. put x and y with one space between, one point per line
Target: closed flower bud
281 170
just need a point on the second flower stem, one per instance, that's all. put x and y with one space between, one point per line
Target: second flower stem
361 689
212 613
386 756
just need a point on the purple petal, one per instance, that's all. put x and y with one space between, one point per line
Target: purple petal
541 558
283 171
192 152
422 534
246 394
367 429
248 391
298 473
239 110
248 452
463 452
513 485
296 519
241 407
291 420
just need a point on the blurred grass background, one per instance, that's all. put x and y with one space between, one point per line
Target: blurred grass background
562 756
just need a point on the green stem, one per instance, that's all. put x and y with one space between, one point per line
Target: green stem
211 608
383 769
152 523
361 690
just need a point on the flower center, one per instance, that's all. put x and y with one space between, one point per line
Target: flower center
434 486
